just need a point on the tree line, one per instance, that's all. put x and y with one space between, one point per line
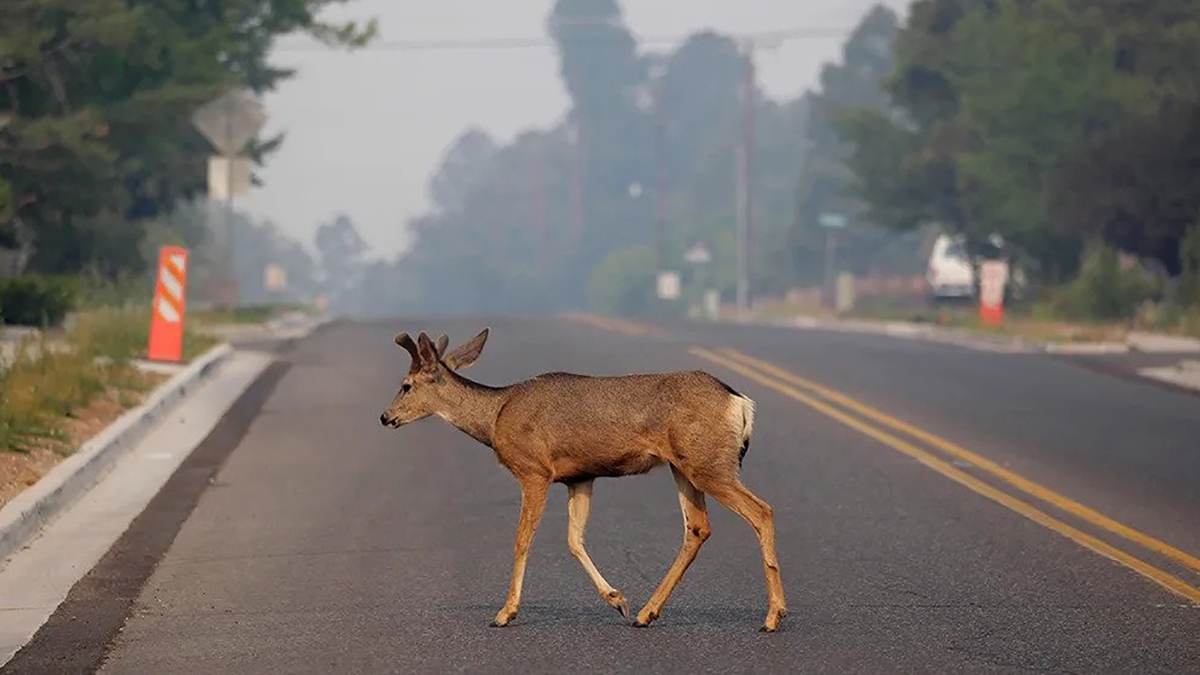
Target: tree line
96 99
1070 128
568 216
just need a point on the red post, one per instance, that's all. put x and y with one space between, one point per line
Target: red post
993 275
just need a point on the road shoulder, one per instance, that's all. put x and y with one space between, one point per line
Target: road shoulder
58 535
38 578
26 514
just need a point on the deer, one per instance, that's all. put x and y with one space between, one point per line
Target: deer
570 429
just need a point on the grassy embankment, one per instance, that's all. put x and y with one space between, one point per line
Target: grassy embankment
62 388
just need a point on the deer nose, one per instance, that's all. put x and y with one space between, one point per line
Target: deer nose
383 419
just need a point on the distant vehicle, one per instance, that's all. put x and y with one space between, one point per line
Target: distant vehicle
949 274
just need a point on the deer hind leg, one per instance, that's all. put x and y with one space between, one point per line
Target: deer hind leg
695 532
737 498
533 501
578 506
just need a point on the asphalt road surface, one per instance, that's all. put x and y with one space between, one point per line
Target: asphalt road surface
937 510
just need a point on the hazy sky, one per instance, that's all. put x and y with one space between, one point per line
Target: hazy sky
365 130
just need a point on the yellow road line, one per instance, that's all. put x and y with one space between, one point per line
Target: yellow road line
614 324
1162 578
1016 480
601 322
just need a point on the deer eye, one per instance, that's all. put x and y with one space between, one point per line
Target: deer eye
404 388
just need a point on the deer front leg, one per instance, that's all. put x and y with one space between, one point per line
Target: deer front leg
533 500
578 506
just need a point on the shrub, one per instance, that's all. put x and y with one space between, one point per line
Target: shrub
32 300
50 379
118 333
1104 291
1189 252
623 283
38 389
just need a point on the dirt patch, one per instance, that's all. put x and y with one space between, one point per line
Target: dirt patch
20 470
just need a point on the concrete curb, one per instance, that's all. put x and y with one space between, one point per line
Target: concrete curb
24 517
914 331
298 330
293 326
1139 342
1184 374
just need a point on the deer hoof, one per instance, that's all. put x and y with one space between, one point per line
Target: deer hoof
502 619
643 621
771 624
617 601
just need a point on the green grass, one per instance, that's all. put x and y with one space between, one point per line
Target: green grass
60 374
243 315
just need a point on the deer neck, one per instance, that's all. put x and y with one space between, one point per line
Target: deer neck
472 407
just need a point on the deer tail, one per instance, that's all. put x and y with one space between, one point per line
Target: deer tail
744 405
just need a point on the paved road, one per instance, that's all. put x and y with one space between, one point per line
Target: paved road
329 544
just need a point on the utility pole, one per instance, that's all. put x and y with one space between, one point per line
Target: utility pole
577 179
751 104
744 159
539 196
660 183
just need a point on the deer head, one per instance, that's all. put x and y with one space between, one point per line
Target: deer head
425 389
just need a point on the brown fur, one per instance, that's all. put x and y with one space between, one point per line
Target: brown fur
571 429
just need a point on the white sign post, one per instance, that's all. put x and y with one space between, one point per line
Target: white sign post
230 123
668 285
993 276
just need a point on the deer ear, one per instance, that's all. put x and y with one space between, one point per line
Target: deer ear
443 341
427 352
467 352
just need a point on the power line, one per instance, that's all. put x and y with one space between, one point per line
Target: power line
474 44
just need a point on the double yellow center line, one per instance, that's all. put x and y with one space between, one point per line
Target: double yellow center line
827 401
614 324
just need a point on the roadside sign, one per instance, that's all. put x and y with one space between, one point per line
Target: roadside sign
698 254
230 121
275 278
832 220
668 285
993 276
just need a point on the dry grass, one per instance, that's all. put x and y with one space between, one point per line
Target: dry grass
66 388
1030 325
243 315
41 452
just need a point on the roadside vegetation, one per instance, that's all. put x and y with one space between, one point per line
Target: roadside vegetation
250 314
100 166
71 363
1111 297
66 382
1067 127
1061 126
60 388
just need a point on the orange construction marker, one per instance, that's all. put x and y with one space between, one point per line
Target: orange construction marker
166 323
